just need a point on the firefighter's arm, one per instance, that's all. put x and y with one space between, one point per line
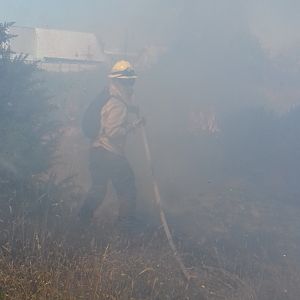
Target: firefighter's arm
115 120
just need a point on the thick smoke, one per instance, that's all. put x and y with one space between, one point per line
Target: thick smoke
202 65
218 84
214 100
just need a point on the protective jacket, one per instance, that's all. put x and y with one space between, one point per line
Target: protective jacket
115 125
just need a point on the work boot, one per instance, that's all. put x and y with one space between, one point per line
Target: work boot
85 216
130 225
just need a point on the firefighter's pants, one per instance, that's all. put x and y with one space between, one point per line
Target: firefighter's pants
105 166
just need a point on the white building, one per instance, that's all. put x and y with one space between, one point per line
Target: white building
57 50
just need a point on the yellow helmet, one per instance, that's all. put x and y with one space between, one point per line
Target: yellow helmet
122 70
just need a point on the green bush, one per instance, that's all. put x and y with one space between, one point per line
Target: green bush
28 132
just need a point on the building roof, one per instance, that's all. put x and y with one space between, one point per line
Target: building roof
51 44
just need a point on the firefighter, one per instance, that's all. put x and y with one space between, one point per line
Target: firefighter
107 153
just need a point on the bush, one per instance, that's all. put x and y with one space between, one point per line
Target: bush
28 132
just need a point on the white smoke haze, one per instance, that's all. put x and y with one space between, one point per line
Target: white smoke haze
200 64
218 83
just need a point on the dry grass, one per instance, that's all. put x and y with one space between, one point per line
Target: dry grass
116 272
65 262
111 266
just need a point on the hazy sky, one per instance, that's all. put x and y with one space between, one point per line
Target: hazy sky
275 22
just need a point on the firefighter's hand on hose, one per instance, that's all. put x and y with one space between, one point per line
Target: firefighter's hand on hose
134 109
140 122
137 124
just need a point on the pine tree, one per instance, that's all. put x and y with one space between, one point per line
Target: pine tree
27 130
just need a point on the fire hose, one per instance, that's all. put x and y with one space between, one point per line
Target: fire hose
162 215
247 291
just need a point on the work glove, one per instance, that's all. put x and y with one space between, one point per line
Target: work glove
134 109
137 124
